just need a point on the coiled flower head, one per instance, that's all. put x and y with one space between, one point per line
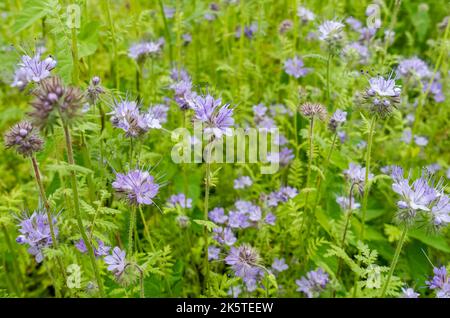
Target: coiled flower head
52 96
24 139
339 117
311 110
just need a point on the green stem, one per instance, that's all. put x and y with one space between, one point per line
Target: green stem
76 203
330 56
16 268
146 231
394 261
75 71
167 31
131 230
366 177
114 44
205 214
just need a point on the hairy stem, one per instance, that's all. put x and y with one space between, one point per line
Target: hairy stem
205 213
131 229
394 261
76 203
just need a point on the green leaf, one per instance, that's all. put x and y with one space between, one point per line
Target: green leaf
209 225
435 241
32 11
88 39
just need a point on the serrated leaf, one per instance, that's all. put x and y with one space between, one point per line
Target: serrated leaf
209 225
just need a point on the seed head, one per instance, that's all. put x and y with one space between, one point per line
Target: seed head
311 110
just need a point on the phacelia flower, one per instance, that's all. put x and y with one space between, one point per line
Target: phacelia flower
140 51
279 265
285 26
414 68
52 94
313 284
382 95
183 94
218 216
421 141
305 15
440 282
245 262
344 203
339 117
284 157
311 110
116 261
137 186
24 139
100 250
295 67
94 90
242 182
270 218
32 69
356 175
249 31
409 293
354 23
213 253
216 118
35 232
180 200
159 113
331 31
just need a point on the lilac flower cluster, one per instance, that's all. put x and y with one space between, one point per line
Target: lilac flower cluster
140 51
100 250
356 51
305 15
337 119
180 200
242 182
313 284
356 175
127 116
137 186
216 118
295 67
249 31
345 204
409 293
32 69
274 198
423 196
279 265
284 157
182 88
35 232
245 262
440 282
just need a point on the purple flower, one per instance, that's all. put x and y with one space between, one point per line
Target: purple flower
286 193
270 218
178 74
414 68
421 141
294 67
440 212
137 186
279 265
339 117
32 69
356 175
224 236
344 203
116 261
187 38
342 136
436 91
238 219
406 136
440 278
140 51
259 111
242 182
409 293
249 31
314 283
382 95
244 261
305 15
183 221
126 116
330 31
354 23
35 232
169 12
158 113
181 200
217 215
284 157
213 253
101 250
217 118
